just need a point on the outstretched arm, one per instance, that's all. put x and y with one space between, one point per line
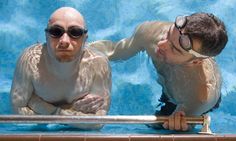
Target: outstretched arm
145 38
123 49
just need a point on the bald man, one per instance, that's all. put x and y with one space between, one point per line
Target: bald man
61 77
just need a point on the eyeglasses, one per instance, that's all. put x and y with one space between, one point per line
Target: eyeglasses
73 31
184 39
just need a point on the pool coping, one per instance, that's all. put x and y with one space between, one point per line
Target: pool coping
114 137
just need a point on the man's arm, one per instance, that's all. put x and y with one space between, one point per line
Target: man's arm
145 38
204 95
123 49
23 99
204 89
89 105
22 88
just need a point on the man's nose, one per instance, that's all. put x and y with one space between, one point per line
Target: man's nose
64 41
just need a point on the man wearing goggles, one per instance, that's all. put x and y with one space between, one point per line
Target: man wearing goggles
182 53
61 77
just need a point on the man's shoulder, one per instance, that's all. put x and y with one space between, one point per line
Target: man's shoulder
32 51
95 59
210 64
30 56
93 54
150 30
154 24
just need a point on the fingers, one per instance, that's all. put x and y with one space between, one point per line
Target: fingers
184 124
88 99
92 107
165 125
172 122
97 106
176 121
89 104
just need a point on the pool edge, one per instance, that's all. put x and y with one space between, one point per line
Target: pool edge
107 137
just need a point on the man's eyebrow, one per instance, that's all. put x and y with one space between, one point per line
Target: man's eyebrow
172 44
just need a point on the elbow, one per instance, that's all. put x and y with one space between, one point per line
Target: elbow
15 106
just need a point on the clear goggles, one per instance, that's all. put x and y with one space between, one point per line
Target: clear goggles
184 39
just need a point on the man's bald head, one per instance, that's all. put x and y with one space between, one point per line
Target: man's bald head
67 13
66 34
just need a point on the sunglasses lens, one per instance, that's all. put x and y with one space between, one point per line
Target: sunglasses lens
75 32
185 42
180 21
56 31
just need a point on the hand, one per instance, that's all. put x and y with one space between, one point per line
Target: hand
176 122
25 111
89 104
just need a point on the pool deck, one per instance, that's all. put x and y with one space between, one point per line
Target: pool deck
107 137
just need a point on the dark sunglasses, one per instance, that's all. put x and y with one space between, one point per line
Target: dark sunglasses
73 31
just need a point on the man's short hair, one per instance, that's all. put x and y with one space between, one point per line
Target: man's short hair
210 30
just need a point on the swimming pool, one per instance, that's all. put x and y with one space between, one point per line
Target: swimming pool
22 23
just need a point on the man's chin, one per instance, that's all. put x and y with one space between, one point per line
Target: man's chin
161 58
64 59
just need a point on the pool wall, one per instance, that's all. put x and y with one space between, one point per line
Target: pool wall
68 137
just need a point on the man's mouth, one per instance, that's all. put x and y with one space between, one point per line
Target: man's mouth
63 50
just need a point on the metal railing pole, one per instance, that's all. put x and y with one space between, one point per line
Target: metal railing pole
60 119
90 119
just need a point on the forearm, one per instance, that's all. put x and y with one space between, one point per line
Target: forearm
84 126
69 112
89 105
40 106
123 49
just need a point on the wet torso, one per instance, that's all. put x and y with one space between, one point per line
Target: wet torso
54 85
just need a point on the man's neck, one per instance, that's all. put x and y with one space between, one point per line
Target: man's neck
62 70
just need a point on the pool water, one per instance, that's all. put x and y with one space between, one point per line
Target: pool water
22 23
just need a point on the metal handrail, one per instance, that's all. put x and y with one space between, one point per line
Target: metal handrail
114 119
90 119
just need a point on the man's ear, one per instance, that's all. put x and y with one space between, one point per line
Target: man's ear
197 61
